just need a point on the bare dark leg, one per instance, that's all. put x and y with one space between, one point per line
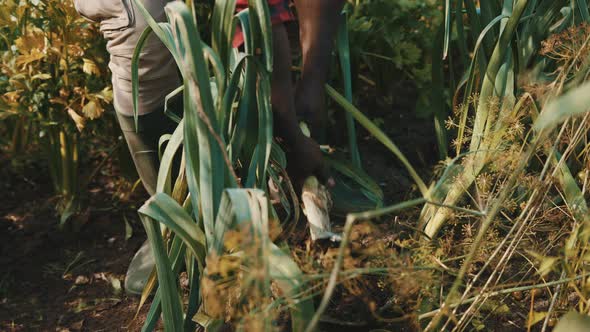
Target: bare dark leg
285 119
318 24
304 156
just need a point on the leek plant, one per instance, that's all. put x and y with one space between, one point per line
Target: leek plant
214 219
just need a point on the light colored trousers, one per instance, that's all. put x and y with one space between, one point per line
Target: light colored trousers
121 25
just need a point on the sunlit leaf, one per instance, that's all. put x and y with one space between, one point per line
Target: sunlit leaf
92 110
106 94
90 67
79 120
41 77
535 317
30 57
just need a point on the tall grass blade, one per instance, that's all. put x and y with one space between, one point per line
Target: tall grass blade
448 30
489 81
166 210
343 47
171 306
167 109
359 177
379 135
265 128
461 35
164 183
437 97
135 71
222 29
471 82
201 124
583 8
261 29
176 254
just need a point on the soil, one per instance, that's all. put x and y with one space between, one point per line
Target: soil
64 279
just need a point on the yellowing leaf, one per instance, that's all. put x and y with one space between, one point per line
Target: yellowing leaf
78 120
41 77
92 110
25 59
5 18
90 67
58 100
536 317
547 264
12 96
106 94
76 51
31 47
34 40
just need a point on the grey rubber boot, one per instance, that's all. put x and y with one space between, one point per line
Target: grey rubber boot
139 270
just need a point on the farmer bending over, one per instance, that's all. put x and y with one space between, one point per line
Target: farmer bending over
121 25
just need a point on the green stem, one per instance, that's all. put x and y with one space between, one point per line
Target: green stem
379 135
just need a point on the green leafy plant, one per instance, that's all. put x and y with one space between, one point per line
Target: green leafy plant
394 39
395 47
53 82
